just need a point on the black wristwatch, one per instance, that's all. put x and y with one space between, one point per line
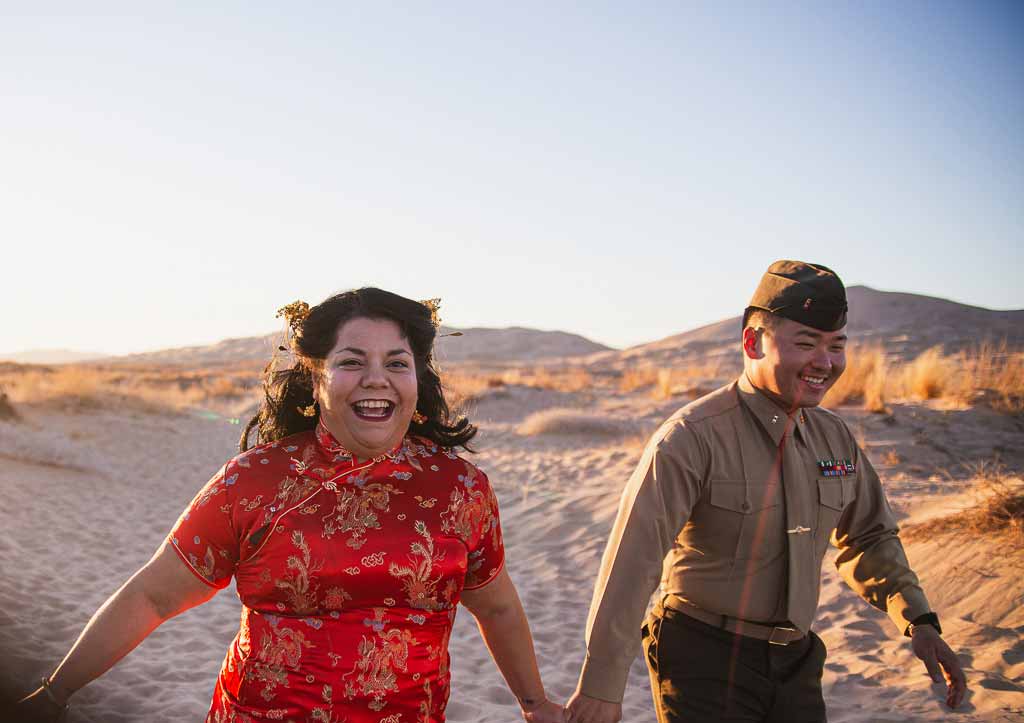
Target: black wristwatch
926 619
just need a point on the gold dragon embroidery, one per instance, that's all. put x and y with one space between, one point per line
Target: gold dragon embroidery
296 584
375 669
280 650
356 511
417 581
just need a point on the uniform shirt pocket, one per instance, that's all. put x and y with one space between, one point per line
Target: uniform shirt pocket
736 511
834 494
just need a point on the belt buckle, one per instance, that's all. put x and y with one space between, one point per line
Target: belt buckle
773 641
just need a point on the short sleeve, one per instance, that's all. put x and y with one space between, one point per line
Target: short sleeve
486 549
204 536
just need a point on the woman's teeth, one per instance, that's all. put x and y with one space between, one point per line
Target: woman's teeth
373 408
813 380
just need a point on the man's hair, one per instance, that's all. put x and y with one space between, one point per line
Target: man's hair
761 319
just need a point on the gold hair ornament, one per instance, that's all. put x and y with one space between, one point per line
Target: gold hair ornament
295 313
309 411
435 318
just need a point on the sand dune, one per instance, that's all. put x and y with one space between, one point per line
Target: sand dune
94 494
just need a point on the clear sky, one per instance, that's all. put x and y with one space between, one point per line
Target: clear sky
172 176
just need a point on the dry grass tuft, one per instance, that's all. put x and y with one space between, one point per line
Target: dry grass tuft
864 379
999 511
927 377
574 421
664 383
152 388
7 410
570 379
462 387
990 373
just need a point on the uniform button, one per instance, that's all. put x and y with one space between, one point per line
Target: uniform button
775 419
745 507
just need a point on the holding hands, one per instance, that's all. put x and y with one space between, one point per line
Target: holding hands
545 712
584 709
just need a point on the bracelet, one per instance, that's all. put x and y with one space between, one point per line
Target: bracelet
45 685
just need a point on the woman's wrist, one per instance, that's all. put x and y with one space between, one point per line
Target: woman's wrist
530 702
55 694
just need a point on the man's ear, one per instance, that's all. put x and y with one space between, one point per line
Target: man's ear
752 340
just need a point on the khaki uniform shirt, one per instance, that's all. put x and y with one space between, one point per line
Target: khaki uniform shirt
731 509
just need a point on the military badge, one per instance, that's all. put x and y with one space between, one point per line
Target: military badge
836 467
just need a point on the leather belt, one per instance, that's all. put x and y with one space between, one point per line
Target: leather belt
774 634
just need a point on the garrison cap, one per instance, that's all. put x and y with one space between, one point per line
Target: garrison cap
808 293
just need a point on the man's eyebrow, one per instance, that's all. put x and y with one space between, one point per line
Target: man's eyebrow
808 332
395 352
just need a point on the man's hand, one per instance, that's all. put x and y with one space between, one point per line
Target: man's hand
584 709
939 658
546 712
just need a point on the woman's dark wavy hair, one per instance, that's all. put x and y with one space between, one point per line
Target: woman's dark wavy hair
285 391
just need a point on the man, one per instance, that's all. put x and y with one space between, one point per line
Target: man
733 505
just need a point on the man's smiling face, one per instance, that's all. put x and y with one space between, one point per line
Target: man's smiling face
795 364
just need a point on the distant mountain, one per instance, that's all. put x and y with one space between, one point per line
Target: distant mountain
50 356
474 345
514 343
904 324
228 351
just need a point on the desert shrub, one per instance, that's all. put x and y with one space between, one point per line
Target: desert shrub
928 376
999 510
7 410
667 382
563 421
864 379
87 387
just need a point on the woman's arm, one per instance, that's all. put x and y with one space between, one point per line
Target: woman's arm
505 630
161 589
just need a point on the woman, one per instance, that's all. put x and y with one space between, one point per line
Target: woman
352 530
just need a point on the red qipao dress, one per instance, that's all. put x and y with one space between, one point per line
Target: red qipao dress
349 572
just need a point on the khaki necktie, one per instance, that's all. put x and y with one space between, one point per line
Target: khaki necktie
801 589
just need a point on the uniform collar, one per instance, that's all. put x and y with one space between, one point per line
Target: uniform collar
773 418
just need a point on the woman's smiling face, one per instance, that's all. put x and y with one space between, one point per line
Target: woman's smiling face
367 388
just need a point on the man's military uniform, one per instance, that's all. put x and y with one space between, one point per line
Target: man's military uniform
732 508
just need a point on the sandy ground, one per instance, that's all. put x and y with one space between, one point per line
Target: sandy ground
89 497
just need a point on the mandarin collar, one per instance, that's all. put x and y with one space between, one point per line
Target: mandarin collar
773 418
337 452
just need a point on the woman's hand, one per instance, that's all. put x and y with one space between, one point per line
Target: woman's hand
546 712
37 707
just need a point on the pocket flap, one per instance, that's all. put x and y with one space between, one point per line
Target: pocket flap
732 495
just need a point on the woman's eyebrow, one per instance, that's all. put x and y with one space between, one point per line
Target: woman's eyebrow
362 352
353 349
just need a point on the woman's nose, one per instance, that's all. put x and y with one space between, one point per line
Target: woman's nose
373 376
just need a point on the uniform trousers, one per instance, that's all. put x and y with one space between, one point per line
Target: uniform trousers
701 673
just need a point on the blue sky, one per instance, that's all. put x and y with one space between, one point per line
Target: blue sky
625 171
